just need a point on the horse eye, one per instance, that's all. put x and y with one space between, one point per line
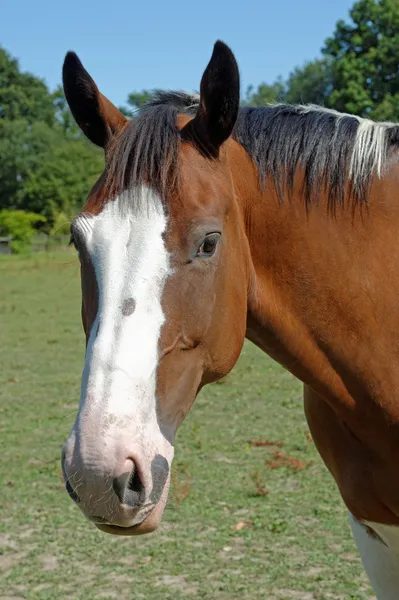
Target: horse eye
208 246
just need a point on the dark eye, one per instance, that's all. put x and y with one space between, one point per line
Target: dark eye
208 246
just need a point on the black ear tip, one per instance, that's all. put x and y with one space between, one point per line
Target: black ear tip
219 45
221 48
223 58
71 57
71 62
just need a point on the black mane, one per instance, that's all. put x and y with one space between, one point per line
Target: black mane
334 154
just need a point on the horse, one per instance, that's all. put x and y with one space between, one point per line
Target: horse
212 223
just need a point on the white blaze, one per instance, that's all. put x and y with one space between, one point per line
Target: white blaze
117 414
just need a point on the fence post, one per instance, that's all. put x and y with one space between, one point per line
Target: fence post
5 244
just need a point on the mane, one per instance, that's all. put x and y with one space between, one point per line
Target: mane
338 153
147 148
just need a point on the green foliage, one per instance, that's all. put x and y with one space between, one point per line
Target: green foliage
20 225
364 57
22 95
265 94
63 115
309 84
22 149
136 100
46 164
61 224
48 167
62 181
358 72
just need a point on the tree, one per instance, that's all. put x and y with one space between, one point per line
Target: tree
63 179
48 167
42 170
63 115
20 225
136 100
22 150
22 95
46 164
364 58
265 94
310 84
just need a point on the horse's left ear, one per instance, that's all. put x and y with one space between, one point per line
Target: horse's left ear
219 103
97 117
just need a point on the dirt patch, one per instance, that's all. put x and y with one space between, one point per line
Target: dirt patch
110 594
7 542
177 582
298 595
8 561
291 485
308 521
225 459
122 579
26 532
207 533
313 571
50 563
43 586
236 551
350 556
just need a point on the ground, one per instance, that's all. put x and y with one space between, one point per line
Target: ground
244 520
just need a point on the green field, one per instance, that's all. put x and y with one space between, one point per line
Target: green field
242 522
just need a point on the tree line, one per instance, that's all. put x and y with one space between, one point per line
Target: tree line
47 166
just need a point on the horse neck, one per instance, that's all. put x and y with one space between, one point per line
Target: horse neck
289 278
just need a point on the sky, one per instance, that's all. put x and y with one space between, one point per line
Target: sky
130 46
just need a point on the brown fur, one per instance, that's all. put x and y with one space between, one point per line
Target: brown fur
317 293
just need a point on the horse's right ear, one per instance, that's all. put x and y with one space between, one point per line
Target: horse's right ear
97 117
219 103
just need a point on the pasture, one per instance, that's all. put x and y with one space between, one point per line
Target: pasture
243 521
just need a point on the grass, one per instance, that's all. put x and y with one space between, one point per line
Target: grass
260 520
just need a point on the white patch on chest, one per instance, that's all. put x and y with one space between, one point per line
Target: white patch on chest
380 557
126 247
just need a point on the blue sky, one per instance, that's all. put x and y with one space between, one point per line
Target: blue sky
130 46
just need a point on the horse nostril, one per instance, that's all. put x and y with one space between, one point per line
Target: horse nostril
71 492
68 486
129 488
134 483
160 472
